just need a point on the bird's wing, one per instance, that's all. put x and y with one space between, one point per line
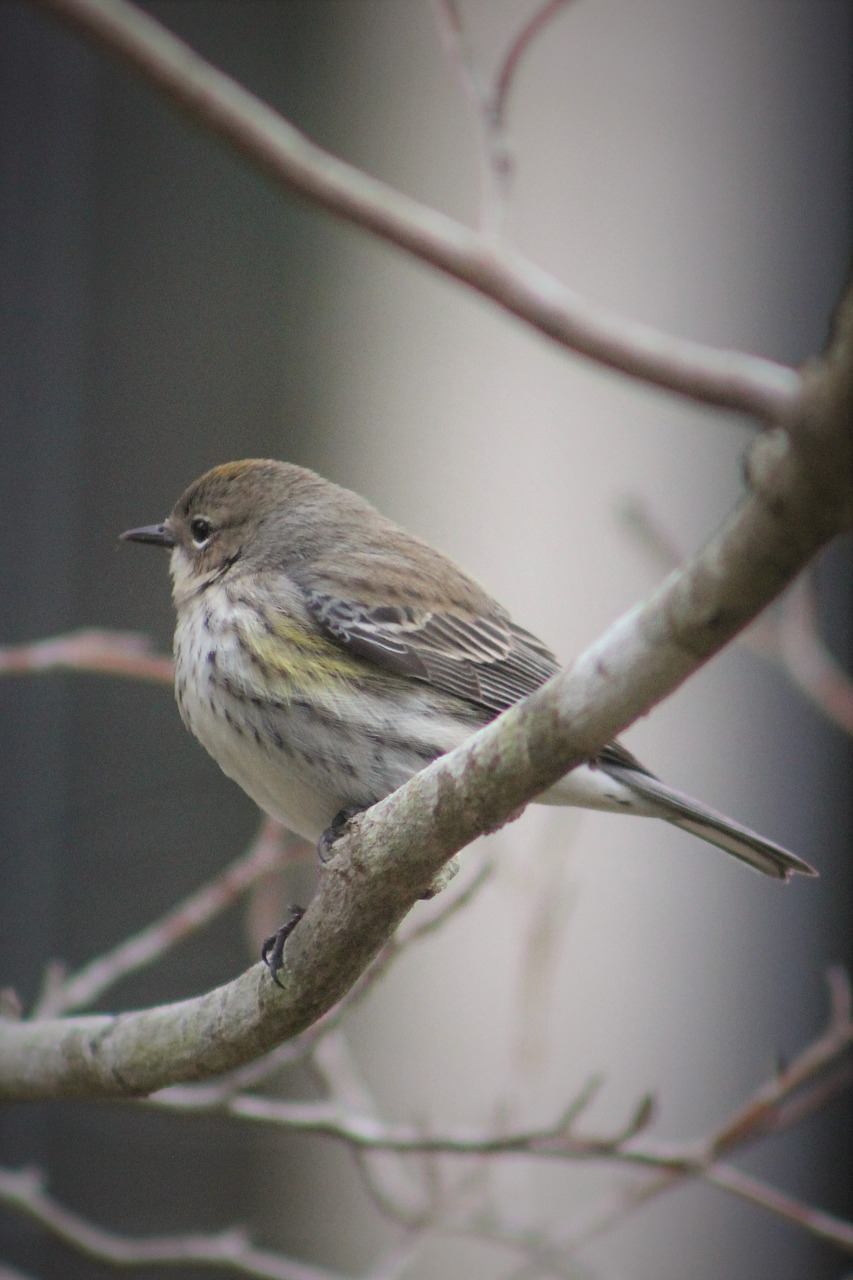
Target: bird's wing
616 754
483 658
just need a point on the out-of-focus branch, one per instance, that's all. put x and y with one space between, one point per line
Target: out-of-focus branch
529 31
229 1250
764 1112
369 1134
490 102
267 852
809 1081
801 495
825 1226
788 634
729 379
116 653
806 659
785 1099
300 1048
800 483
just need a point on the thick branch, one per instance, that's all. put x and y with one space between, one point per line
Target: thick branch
802 494
729 379
801 497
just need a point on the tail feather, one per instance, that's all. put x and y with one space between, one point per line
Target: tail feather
712 826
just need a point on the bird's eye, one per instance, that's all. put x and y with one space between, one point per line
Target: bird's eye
201 529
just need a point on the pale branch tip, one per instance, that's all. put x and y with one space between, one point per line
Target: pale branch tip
728 379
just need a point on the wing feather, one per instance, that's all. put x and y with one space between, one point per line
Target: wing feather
485 659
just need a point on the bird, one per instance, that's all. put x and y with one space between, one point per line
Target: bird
324 655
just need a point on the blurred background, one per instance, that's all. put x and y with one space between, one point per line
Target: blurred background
165 309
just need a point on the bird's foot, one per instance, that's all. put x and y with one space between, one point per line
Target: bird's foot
272 951
336 829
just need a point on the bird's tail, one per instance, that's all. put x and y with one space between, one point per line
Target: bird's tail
709 825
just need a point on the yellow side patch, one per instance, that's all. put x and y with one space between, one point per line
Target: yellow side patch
297 660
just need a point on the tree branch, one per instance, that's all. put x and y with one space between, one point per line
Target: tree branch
801 482
230 1250
801 496
788 635
114 653
729 379
267 852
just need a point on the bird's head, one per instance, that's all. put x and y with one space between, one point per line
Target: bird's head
243 513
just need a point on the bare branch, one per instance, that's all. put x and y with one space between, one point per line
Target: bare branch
824 1225
801 497
115 653
729 379
806 658
801 483
788 635
769 1110
23 1190
454 37
505 79
763 1112
366 1133
268 851
490 104
388 1179
299 1048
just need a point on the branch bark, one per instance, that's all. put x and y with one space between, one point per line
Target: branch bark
800 479
801 483
729 379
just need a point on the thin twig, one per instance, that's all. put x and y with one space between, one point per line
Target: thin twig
454 38
728 379
364 1132
115 653
807 660
230 1250
818 1223
490 102
387 1177
216 1094
768 1110
762 1113
787 634
267 852
518 47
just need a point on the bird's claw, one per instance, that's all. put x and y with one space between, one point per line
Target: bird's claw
335 829
272 952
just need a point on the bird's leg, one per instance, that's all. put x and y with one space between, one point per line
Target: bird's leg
273 949
336 829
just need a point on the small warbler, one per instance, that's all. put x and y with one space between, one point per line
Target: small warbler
323 655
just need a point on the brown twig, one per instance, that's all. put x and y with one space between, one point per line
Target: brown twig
518 47
788 634
369 1134
763 1112
115 653
267 852
491 102
825 1226
806 659
729 379
768 1110
230 1250
261 1069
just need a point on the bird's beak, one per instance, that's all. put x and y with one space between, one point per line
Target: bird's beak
159 535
